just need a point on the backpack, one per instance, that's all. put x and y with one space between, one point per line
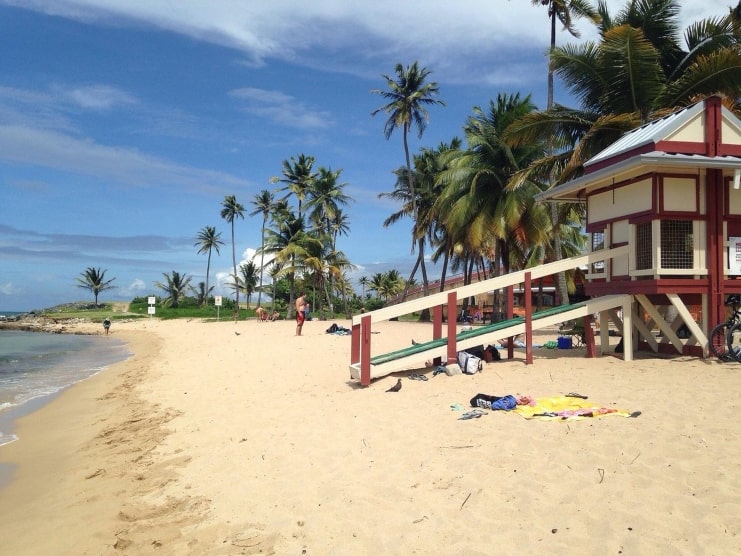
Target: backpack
494 353
469 364
332 329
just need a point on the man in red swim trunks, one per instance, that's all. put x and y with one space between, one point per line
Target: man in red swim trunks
300 314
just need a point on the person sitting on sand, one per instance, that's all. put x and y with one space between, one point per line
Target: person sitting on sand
275 317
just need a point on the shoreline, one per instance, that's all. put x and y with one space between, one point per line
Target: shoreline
209 442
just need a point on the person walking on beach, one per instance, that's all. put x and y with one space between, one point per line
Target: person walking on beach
106 325
300 313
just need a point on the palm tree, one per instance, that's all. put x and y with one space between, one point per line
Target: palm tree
248 280
637 71
208 239
408 96
263 203
298 177
176 286
93 279
364 282
563 11
325 199
231 210
203 293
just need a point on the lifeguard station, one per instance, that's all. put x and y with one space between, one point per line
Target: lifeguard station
670 192
663 208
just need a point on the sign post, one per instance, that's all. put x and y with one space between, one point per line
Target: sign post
151 301
734 255
217 302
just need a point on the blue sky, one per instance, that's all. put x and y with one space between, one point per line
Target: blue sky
124 123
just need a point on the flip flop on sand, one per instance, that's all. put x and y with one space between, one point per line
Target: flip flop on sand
575 395
416 376
474 414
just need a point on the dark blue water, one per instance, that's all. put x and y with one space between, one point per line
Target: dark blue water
36 365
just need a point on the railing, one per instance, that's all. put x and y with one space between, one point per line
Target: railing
361 324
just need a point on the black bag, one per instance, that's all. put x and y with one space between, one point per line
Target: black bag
333 328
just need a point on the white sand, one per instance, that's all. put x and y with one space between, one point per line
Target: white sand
208 442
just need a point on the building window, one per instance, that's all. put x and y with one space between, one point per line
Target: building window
598 244
677 243
644 259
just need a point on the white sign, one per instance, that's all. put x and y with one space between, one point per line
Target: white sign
217 300
150 310
151 300
734 255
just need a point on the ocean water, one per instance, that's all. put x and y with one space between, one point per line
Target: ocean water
37 365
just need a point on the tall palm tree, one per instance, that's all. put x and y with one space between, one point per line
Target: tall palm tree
231 210
638 70
263 203
408 96
298 177
325 199
93 279
208 239
176 286
364 282
247 280
481 217
564 11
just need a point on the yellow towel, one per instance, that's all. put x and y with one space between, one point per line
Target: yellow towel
564 408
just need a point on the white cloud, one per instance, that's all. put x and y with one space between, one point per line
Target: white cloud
135 288
449 36
281 108
9 289
51 149
98 97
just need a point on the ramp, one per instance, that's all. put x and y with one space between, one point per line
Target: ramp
413 357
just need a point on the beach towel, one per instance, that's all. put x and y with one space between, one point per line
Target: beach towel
565 408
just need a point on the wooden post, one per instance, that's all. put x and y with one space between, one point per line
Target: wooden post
452 316
528 319
589 336
365 350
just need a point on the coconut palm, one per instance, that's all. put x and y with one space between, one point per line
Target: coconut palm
176 286
247 280
263 203
231 210
298 177
408 97
325 199
564 11
93 279
364 282
203 293
208 239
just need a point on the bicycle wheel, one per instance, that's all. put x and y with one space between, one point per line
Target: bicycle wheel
719 342
734 342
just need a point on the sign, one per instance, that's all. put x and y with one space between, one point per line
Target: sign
150 310
151 300
734 255
217 300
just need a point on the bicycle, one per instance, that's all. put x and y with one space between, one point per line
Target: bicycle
725 338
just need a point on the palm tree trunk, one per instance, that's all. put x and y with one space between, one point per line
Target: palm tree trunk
262 262
208 270
236 284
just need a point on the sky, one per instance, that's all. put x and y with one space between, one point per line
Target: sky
125 123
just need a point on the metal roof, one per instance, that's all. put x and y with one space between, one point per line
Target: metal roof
649 133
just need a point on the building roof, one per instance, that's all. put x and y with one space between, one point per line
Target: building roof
657 145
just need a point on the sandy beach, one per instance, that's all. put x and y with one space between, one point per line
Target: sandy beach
211 442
